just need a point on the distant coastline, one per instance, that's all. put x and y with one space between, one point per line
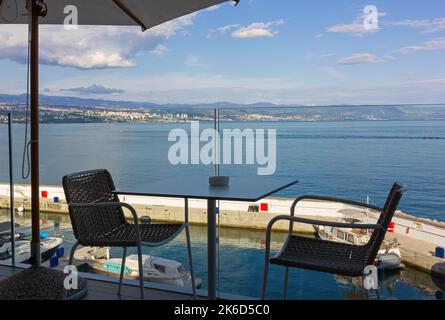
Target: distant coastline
83 110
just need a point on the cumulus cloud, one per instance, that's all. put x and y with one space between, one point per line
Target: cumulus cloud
90 47
254 30
437 44
225 29
94 89
257 29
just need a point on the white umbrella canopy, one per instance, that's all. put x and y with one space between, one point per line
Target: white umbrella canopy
143 13
146 13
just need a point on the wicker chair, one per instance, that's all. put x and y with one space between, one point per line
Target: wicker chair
98 219
329 256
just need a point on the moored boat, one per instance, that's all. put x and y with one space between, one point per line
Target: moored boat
48 246
388 257
155 269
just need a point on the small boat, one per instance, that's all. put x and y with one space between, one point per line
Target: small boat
155 269
48 246
388 257
91 253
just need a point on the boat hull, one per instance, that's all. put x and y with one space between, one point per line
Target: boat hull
112 267
48 247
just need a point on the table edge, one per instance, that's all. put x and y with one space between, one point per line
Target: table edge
163 195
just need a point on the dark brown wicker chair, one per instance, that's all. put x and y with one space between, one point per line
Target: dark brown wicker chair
98 219
329 256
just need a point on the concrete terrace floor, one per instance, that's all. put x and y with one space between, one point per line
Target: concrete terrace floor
105 290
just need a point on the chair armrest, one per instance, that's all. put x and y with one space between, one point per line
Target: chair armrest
312 221
323 223
186 215
108 204
331 199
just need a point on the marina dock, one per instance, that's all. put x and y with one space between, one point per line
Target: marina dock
418 237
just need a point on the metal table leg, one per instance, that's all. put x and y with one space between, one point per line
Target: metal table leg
211 248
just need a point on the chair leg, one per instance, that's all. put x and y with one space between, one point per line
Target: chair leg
265 274
124 257
189 248
141 271
286 277
73 249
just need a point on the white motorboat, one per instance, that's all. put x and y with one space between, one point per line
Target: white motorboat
388 257
155 269
83 254
48 246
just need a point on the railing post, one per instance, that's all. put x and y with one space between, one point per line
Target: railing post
11 190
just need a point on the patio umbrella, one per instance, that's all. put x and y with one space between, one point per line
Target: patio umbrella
143 13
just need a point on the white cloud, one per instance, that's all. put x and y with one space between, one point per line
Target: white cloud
224 29
90 47
93 89
353 28
428 25
257 30
159 51
364 58
437 44
359 58
356 27
254 30
410 23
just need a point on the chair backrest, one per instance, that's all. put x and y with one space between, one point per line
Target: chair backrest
93 186
377 237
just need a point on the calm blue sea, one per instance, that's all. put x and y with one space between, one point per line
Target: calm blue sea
345 159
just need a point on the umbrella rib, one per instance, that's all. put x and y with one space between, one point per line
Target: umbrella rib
130 14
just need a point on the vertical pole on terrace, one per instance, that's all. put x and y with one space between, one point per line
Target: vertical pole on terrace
216 155
36 11
215 170
11 191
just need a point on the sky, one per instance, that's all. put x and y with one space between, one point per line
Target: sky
311 52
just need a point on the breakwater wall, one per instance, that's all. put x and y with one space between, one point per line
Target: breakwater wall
231 214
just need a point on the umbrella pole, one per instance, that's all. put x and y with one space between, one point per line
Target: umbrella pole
34 79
